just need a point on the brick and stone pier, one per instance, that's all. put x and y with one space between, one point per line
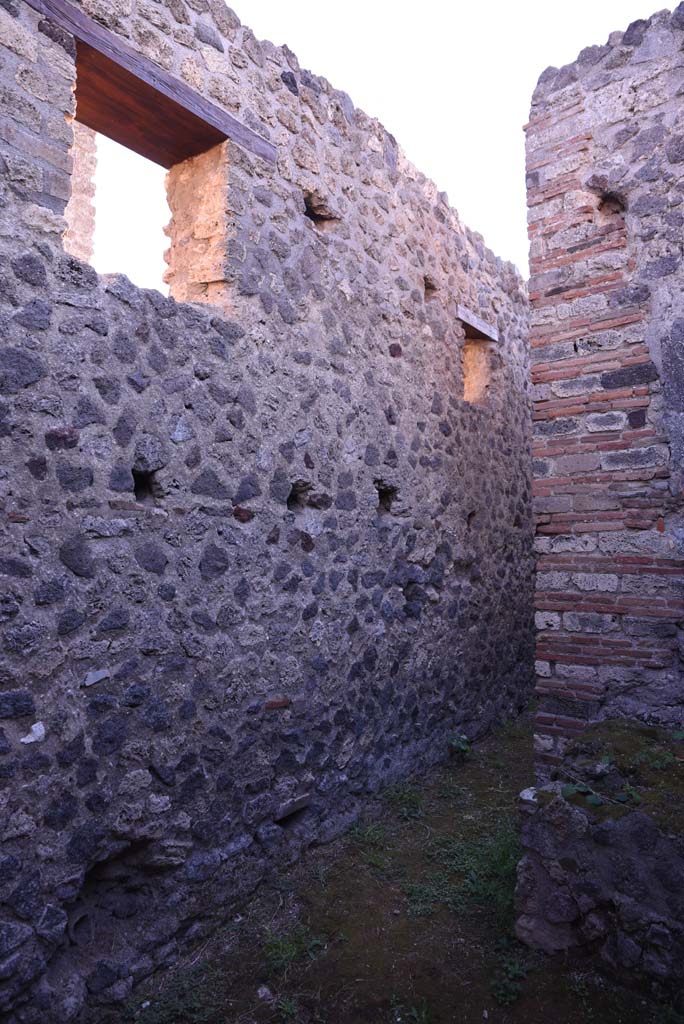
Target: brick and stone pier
604 161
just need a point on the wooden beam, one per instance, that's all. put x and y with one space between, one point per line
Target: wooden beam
475 326
136 96
114 103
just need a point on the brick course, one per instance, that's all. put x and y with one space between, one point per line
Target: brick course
605 289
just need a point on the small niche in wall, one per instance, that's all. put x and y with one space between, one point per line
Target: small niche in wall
480 339
430 288
146 487
297 498
611 209
386 496
293 812
319 212
611 204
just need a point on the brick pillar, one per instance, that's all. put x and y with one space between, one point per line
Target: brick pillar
197 192
609 561
80 210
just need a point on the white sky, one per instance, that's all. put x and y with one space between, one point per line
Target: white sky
451 81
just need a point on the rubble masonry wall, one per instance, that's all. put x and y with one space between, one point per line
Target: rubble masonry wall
259 556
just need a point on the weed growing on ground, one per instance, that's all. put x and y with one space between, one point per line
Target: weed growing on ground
507 984
459 747
667 1015
450 791
372 840
281 951
425 897
406 801
369 835
420 1014
193 995
288 1008
505 991
579 985
486 869
320 873
417 1014
654 757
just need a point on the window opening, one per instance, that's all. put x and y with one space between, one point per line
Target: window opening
480 339
127 98
476 370
131 213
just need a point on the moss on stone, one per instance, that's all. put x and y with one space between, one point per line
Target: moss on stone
618 766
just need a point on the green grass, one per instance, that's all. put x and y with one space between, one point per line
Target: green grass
372 841
416 1014
451 791
281 951
193 996
507 984
406 801
425 897
481 871
652 756
368 835
288 1008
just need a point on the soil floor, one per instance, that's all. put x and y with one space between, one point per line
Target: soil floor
406 920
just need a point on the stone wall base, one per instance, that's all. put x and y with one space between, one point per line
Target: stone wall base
604 854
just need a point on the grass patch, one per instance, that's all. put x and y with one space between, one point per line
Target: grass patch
425 897
507 984
452 792
368 835
372 841
281 951
419 1013
481 870
193 996
653 756
288 1009
406 801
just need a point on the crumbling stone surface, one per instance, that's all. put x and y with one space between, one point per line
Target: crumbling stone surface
605 209
80 210
259 556
604 854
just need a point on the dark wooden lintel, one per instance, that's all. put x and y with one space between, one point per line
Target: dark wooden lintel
126 109
475 326
130 99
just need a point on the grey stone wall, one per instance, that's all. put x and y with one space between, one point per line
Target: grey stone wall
258 559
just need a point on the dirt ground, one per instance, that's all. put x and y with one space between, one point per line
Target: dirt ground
407 920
